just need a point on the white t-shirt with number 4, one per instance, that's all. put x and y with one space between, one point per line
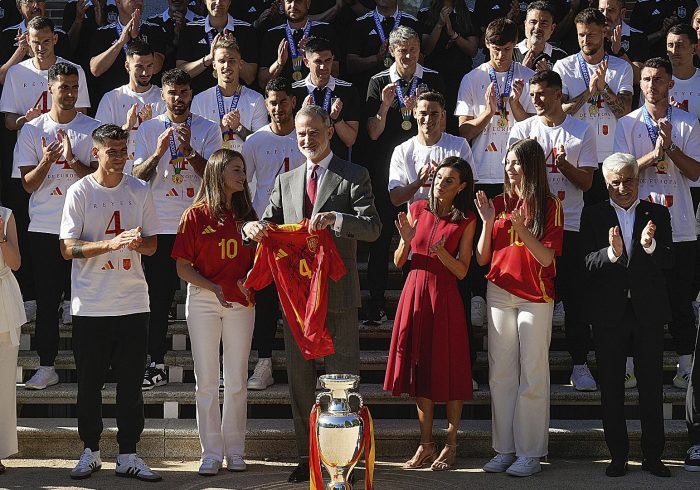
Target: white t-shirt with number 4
687 94
26 86
115 105
410 156
579 143
46 203
600 117
175 183
489 148
664 183
251 107
110 284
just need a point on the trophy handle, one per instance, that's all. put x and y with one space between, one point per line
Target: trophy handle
358 396
321 396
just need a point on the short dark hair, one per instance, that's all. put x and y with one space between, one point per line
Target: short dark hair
501 31
62 69
138 48
590 16
278 84
176 76
542 6
317 45
38 23
549 77
660 63
109 132
432 96
683 28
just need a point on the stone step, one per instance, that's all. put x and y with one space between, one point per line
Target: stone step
171 439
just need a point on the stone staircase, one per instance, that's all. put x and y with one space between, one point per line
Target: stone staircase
48 428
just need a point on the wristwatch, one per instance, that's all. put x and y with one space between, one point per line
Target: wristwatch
673 147
191 155
72 161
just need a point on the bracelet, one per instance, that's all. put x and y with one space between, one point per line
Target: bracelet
454 36
73 161
204 63
4 240
191 155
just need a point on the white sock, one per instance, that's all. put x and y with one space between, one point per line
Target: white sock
160 366
629 367
685 363
123 458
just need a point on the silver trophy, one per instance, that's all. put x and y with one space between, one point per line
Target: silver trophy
339 429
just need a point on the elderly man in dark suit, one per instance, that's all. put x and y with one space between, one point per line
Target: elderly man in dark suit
627 243
332 193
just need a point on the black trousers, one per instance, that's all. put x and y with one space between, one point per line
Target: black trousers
267 312
119 342
692 399
378 262
570 288
476 276
612 342
163 281
52 284
679 283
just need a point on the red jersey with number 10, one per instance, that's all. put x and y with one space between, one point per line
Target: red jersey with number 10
300 264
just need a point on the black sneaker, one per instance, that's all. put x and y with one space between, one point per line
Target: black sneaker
692 460
376 318
154 376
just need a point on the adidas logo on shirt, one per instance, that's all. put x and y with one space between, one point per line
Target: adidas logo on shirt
655 12
56 192
496 7
172 192
251 10
203 41
208 230
109 266
280 254
372 32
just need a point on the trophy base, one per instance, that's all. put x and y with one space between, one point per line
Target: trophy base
339 486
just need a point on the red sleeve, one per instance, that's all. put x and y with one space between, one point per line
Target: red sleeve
336 266
184 247
554 231
261 273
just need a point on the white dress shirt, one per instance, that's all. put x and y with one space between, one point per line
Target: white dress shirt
320 173
626 219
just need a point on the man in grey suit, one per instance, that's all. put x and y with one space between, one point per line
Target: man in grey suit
332 193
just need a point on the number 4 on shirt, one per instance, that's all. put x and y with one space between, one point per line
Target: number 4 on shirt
114 227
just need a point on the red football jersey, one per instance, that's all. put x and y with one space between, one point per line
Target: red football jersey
214 249
300 263
513 267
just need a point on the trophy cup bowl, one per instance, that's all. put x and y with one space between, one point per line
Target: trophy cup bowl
339 429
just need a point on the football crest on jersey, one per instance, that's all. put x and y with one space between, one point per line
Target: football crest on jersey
312 243
2 13
112 17
190 192
126 264
682 12
625 44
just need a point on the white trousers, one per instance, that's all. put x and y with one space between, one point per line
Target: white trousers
209 324
8 404
518 342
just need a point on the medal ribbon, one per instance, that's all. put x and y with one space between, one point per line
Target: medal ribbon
583 68
326 97
653 130
380 29
222 109
405 112
294 51
176 156
502 97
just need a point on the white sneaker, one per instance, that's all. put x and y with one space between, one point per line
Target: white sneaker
65 315
582 379
475 385
524 466
132 466
235 463
630 381
262 375
209 467
45 376
559 315
499 463
478 311
30 310
89 463
681 380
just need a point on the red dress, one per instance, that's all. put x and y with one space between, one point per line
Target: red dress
429 354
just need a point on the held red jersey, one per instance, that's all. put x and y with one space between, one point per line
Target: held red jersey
215 249
300 264
513 267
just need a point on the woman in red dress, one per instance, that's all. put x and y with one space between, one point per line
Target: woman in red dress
429 355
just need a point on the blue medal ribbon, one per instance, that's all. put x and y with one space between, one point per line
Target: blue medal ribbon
378 24
502 97
294 51
653 130
176 156
328 93
405 112
583 68
222 109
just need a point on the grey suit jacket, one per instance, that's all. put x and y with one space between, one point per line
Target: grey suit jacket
346 189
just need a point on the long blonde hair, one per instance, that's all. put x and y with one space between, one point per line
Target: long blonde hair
212 191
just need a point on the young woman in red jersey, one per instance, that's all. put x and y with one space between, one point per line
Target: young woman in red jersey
522 235
429 355
212 259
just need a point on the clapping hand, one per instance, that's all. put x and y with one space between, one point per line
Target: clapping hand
615 240
388 94
561 156
484 206
491 98
336 108
648 234
517 88
517 219
231 120
438 246
406 229
598 79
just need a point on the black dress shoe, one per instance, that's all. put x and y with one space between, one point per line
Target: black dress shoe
2 468
300 473
656 468
616 468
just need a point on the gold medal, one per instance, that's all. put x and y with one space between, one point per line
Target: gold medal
227 144
503 122
177 179
406 125
296 76
388 61
593 109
